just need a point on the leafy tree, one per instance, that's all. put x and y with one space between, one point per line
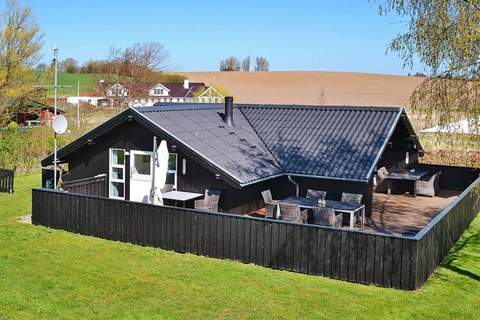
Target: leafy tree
20 42
246 64
261 64
444 35
230 64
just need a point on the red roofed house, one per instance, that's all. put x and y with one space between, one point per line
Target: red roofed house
146 94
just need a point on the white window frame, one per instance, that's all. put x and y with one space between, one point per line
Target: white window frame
175 172
118 166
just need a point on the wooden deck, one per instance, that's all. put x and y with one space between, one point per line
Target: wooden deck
397 214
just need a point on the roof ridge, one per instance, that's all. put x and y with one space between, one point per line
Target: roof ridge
261 139
176 107
322 107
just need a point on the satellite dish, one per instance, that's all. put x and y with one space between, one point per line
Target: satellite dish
59 124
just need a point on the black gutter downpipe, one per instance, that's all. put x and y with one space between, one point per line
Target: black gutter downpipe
228 115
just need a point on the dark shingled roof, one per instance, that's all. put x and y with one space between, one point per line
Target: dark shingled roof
336 142
237 151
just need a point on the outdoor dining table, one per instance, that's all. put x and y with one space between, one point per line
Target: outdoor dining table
181 196
338 206
412 176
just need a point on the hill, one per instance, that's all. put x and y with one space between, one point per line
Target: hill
88 83
313 87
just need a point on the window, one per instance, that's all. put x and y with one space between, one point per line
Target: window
158 91
142 164
117 173
172 170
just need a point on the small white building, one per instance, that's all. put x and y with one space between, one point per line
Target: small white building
466 126
90 100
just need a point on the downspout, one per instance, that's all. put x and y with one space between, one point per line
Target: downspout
297 186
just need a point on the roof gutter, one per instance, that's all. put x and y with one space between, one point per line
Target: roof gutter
302 176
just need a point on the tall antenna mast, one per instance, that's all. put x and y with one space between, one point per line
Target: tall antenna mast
55 88
78 103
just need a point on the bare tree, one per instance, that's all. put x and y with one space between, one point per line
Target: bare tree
230 64
20 43
246 64
136 66
261 64
140 57
69 65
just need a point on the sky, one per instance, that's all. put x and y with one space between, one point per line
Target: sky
294 35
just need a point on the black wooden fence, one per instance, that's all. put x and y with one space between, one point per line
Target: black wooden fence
6 180
383 260
439 236
94 186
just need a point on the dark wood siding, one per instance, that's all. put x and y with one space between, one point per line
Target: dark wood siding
96 186
232 200
401 142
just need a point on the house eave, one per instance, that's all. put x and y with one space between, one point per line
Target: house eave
284 174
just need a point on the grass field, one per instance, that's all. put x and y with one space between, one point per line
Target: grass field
88 83
51 274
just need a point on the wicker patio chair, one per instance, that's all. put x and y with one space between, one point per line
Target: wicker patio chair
316 194
271 210
429 187
380 183
210 200
292 212
352 197
267 196
327 217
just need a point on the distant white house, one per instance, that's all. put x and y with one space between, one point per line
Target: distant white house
115 90
148 94
94 101
466 126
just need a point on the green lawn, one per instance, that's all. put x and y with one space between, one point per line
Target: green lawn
88 83
53 274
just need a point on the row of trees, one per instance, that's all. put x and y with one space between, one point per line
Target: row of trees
139 60
233 64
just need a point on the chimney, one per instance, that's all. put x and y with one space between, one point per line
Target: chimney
228 116
186 84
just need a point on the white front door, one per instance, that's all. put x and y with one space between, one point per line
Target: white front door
141 166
